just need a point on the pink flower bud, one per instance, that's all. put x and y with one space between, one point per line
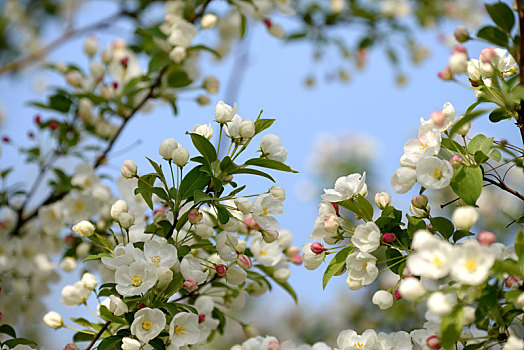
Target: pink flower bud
296 259
460 48
291 251
195 216
6 139
455 161
510 281
141 306
317 248
487 55
252 225
335 205
420 201
273 345
53 125
406 273
38 119
267 22
128 169
244 261
486 238
190 285
221 270
124 62
201 318
107 92
71 346
1 315
433 342
73 78
438 118
388 237
397 295
331 223
446 74
461 34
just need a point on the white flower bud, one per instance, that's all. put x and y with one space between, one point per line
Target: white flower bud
465 217
165 276
178 54
130 344
439 304
250 331
457 62
235 275
281 275
74 78
244 205
204 130
382 200
129 169
209 20
180 156
97 70
383 299
469 315
411 288
211 84
107 92
119 207
90 45
107 55
464 128
241 246
203 230
126 219
84 228
167 147
53 319
224 113
68 264
520 301
83 249
246 129
89 281
331 223
277 31
278 192
117 306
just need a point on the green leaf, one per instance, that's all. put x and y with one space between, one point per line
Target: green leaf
223 214
205 48
157 344
501 15
96 257
338 261
145 186
7 329
493 35
204 147
11 343
82 322
108 316
270 163
415 224
360 206
183 251
508 267
158 169
451 327
467 183
443 225
60 103
83 336
242 26
467 118
253 172
219 315
495 155
519 245
393 259
452 145
158 62
194 180
199 196
111 343
480 143
178 79
480 157
101 241
498 114
262 124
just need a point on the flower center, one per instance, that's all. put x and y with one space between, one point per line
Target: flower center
146 325
435 172
136 280
471 265
423 146
363 268
437 261
263 252
180 330
359 345
79 206
155 259
265 210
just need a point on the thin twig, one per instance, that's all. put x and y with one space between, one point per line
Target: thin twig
98 335
520 119
504 187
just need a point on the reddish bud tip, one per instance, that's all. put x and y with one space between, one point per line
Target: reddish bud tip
397 295
53 125
124 61
115 85
267 22
221 270
486 238
296 259
433 342
38 119
510 281
6 139
201 318
388 237
317 248
141 306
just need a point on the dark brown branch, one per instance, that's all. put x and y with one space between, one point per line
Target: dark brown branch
98 335
504 187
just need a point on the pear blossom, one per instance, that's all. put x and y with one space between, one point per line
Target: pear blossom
350 340
264 208
226 243
312 260
84 228
76 294
465 217
191 269
472 263
204 130
161 254
325 210
346 187
148 324
122 256
205 305
136 278
366 237
224 113
434 173
267 254
394 340
117 306
53 319
183 330
433 257
362 269
439 304
411 288
236 275
130 344
167 147
182 33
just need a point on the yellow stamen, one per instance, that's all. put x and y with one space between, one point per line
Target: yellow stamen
146 325
79 206
155 259
437 261
363 268
263 252
471 264
265 210
136 280
435 173
180 330
359 345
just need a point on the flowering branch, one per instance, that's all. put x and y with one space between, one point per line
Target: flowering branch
98 335
520 119
503 186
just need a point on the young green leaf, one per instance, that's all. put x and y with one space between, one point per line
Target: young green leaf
467 183
338 262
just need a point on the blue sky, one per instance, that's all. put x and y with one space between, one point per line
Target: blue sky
372 104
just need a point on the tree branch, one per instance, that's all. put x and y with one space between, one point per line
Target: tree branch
504 187
520 119
98 335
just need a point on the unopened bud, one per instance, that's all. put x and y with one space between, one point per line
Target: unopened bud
244 261
317 248
6 139
250 331
141 306
270 236
331 223
520 301
129 169
74 78
438 118
419 201
209 20
273 345
195 216
221 270
511 281
296 259
388 237
382 200
90 45
124 62
487 55
211 84
278 192
107 55
292 251
54 320
433 342
461 34
455 161
397 295
201 318
486 238
107 92
53 125
203 100
445 74
190 285
71 346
